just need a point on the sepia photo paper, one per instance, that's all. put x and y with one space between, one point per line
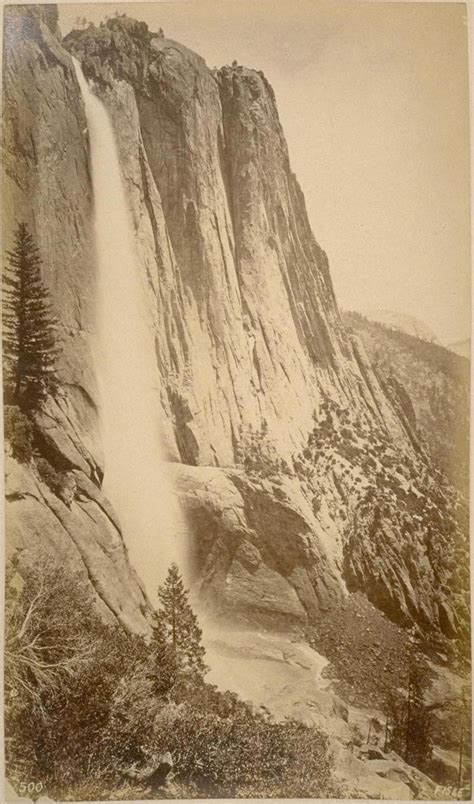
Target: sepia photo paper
236 400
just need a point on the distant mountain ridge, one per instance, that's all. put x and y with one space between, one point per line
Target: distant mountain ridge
437 383
404 322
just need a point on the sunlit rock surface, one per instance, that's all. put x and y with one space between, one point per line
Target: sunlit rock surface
47 184
250 343
83 538
248 327
250 346
259 553
302 471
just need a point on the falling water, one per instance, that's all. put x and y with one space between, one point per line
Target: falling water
135 478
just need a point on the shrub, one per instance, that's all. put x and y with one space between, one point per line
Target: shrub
85 711
19 433
260 455
62 670
62 484
239 753
46 639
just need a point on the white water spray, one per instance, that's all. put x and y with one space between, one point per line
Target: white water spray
135 478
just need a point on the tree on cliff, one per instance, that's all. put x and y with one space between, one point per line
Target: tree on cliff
411 718
30 345
177 630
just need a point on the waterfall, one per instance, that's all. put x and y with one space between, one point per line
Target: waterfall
135 477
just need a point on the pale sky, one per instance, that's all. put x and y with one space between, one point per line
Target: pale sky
373 99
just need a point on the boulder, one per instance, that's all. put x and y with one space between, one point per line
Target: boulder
158 776
259 553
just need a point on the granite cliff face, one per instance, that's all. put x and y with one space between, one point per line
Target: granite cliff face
303 472
46 182
247 324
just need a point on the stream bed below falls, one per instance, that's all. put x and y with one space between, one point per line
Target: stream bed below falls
285 675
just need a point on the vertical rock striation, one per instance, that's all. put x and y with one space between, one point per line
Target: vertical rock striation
247 323
46 182
255 362
261 384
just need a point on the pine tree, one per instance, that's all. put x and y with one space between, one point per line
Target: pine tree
411 719
179 626
166 670
30 345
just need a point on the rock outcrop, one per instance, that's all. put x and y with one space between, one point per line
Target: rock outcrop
251 347
47 183
247 324
435 385
303 469
260 554
288 678
81 534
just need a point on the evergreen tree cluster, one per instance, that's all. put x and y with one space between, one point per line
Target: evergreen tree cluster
30 342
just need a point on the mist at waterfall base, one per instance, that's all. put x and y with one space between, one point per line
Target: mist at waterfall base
135 476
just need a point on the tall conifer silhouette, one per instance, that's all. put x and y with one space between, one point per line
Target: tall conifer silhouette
179 626
30 345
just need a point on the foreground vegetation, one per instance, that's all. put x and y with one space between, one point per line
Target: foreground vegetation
90 709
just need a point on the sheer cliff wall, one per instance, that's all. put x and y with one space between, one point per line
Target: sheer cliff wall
303 473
